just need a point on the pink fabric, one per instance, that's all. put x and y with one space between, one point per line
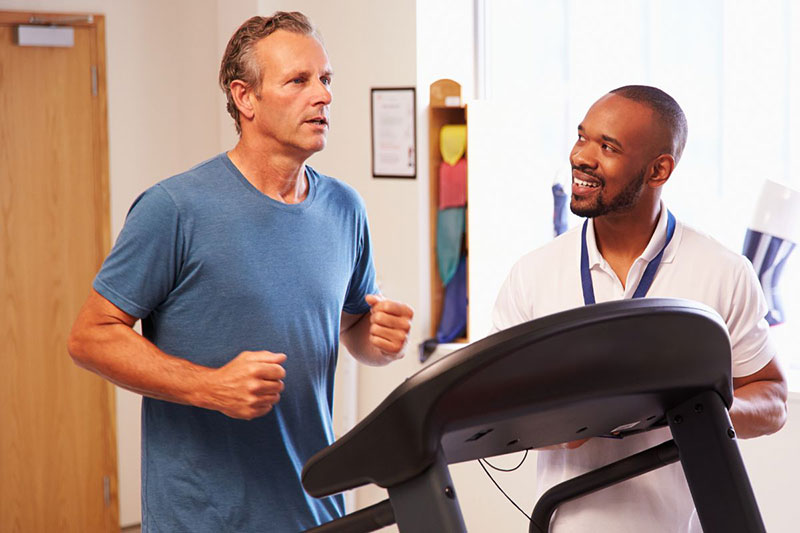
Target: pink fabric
453 184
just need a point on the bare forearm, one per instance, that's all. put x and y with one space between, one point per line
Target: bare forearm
758 409
122 356
103 341
356 340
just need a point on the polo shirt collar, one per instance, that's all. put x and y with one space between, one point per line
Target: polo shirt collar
653 247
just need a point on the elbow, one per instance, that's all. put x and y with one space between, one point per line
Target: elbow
76 348
782 406
781 416
777 417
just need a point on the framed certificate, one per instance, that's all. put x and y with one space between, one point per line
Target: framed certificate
394 137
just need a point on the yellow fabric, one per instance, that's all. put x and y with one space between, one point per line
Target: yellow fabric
453 142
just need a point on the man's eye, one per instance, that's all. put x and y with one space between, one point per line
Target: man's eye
326 80
581 138
608 148
299 80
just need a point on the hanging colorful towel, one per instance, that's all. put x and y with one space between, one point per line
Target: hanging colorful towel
453 318
768 255
449 231
771 238
453 322
453 184
452 142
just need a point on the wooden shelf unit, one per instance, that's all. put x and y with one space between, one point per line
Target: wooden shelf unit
442 92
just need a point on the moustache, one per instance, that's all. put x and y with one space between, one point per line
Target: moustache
589 172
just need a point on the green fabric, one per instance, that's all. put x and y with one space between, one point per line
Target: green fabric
449 229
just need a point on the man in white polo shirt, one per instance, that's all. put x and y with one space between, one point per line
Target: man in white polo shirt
631 246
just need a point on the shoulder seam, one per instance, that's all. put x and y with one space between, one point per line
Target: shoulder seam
181 226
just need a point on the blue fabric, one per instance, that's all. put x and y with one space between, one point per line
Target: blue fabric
769 266
648 275
453 322
214 267
450 225
559 209
586 276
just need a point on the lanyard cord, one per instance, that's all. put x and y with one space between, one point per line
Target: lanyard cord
649 272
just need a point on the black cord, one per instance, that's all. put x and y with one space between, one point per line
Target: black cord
490 465
480 462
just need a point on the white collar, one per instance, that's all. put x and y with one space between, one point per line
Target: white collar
653 247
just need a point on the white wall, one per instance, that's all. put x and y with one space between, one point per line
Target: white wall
774 468
230 15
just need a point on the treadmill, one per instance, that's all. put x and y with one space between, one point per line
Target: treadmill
585 372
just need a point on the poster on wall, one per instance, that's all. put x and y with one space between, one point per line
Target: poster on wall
394 144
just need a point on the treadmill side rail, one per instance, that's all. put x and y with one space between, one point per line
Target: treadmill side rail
645 461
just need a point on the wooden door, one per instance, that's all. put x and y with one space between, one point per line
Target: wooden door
57 436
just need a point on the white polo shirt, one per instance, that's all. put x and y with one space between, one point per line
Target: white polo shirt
695 267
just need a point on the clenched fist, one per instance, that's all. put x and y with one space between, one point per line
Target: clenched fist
247 386
390 323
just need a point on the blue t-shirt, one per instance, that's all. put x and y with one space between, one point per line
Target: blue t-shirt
214 267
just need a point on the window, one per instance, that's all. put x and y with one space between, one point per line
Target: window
733 66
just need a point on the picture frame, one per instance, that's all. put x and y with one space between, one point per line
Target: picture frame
394 134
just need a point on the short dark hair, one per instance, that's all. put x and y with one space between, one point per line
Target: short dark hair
239 61
665 107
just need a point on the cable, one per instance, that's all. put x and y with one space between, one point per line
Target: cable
480 462
490 465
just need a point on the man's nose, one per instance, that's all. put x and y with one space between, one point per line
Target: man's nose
323 94
582 156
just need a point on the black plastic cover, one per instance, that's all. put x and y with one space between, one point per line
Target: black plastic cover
610 367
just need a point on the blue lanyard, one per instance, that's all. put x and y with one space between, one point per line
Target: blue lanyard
649 272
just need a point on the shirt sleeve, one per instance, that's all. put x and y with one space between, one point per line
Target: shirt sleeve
362 281
144 264
749 331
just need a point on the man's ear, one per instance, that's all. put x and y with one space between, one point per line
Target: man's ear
243 96
661 170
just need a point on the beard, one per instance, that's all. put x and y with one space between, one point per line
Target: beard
621 203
